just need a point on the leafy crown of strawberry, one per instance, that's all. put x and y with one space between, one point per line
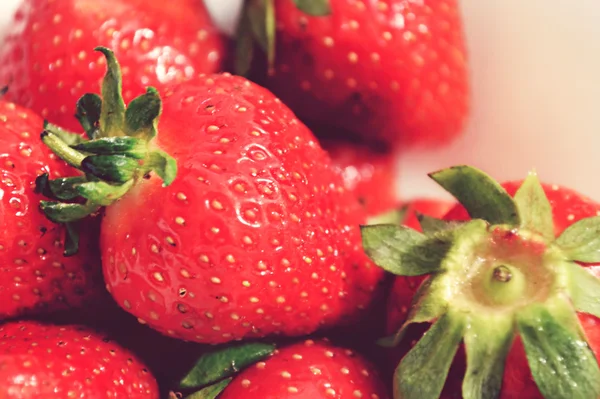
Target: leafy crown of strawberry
118 151
501 274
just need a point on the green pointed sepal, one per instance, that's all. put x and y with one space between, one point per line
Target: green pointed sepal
89 108
404 251
117 153
214 370
119 147
561 361
257 26
394 216
315 8
422 373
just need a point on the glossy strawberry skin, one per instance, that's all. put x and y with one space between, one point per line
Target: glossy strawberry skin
568 206
47 57
40 361
310 369
256 236
36 276
392 70
369 173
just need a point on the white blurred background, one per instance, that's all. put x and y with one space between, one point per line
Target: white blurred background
536 91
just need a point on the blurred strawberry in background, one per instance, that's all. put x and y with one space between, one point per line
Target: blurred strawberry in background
392 71
48 62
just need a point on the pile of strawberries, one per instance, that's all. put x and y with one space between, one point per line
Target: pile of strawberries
172 229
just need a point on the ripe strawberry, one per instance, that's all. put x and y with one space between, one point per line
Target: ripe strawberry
309 369
40 361
369 173
36 275
512 280
166 358
391 70
47 63
256 226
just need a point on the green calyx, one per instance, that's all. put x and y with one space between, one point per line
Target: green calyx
213 372
257 27
117 152
500 275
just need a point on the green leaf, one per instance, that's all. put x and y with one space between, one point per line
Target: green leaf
422 372
69 138
561 361
59 212
164 165
534 208
141 116
584 289
486 350
581 240
211 391
63 188
426 307
42 186
315 8
102 193
112 113
261 16
89 109
224 363
431 225
482 197
71 238
112 168
395 217
403 251
130 146
244 46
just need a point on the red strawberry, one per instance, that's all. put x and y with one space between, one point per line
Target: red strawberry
166 358
367 172
36 275
256 226
47 62
309 369
511 284
40 361
390 70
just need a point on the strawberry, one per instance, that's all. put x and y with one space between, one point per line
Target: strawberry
40 361
369 173
37 275
166 358
308 369
393 71
253 226
512 283
47 63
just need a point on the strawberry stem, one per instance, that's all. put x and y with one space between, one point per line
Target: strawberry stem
504 285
